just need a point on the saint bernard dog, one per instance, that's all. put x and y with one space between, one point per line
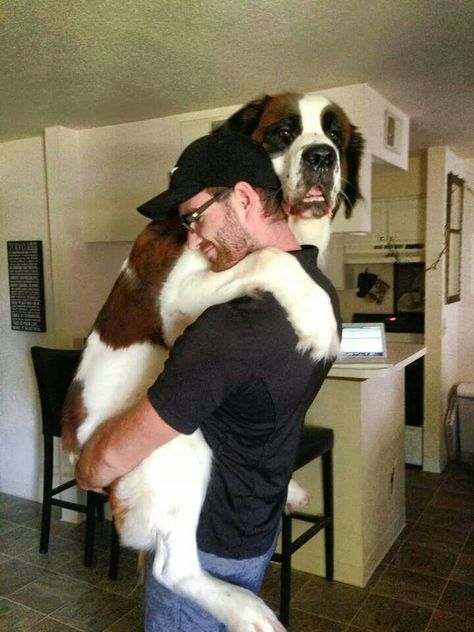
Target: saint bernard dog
162 287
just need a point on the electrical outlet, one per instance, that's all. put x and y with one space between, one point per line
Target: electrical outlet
392 132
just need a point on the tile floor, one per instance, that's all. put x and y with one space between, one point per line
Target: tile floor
425 583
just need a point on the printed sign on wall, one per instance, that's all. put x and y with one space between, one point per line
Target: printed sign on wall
25 273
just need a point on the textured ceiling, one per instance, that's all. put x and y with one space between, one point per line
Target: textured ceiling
86 63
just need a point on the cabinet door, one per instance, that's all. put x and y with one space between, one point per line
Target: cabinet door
195 128
379 221
333 262
123 166
192 129
406 219
378 231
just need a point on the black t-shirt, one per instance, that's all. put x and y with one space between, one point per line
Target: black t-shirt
235 374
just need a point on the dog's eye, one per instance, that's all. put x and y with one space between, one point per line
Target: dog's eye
284 133
335 136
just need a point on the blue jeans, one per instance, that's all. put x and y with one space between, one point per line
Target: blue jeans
165 611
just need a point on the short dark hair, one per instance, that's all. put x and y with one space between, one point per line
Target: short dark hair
271 199
271 202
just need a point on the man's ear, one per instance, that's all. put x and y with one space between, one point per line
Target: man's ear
247 199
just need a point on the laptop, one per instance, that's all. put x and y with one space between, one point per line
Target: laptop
363 345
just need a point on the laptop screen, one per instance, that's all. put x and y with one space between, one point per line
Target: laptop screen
363 340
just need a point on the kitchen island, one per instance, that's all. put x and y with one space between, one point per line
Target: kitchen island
365 408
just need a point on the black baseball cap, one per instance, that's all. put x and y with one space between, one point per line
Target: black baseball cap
217 160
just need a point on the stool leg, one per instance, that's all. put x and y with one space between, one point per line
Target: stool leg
285 573
47 488
114 553
328 512
100 511
91 507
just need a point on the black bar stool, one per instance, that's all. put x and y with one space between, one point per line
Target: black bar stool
54 370
315 442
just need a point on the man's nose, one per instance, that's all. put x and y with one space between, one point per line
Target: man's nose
193 240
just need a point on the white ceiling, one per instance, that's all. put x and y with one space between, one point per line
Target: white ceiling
86 63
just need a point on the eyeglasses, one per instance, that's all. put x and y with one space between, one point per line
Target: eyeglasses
189 219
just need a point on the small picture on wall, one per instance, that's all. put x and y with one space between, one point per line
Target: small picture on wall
409 287
454 213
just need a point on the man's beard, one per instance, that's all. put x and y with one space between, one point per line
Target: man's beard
232 241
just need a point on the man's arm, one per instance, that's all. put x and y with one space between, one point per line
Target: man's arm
121 443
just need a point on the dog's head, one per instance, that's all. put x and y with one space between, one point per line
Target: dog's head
315 149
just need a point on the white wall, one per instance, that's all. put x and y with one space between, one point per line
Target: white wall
23 208
466 333
442 322
40 199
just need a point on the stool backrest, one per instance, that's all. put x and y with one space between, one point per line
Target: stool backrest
54 369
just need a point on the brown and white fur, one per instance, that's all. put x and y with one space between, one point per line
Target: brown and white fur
162 287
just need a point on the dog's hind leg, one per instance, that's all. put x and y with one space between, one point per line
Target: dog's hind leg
163 497
297 497
178 568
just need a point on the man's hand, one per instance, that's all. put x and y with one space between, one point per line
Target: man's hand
121 443
92 470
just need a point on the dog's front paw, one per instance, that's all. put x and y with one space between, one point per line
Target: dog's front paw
308 306
313 320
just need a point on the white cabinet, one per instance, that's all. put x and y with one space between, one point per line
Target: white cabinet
332 264
406 219
193 129
123 166
400 219
379 226
199 124
398 225
370 112
385 127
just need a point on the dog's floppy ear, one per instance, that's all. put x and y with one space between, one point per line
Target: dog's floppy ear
247 118
353 153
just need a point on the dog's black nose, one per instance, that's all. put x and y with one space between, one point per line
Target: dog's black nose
319 157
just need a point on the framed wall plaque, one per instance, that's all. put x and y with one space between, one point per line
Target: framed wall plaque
26 279
454 211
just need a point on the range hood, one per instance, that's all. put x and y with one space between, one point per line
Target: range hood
389 252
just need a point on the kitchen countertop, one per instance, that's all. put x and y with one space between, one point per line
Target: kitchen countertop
399 354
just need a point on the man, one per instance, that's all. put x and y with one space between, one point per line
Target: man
235 374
